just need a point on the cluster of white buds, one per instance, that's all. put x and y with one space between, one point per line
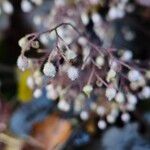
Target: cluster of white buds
49 69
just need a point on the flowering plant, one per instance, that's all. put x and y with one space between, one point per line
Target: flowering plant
80 64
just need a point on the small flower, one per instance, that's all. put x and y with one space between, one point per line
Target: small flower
23 43
49 69
102 124
35 44
110 118
87 89
70 54
125 117
73 73
145 92
134 75
7 7
101 110
100 61
84 115
111 75
63 106
127 56
110 93
132 99
26 6
22 63
30 82
120 97
37 93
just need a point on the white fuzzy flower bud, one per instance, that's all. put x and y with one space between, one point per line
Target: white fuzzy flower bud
84 115
63 106
111 75
7 7
73 73
49 69
125 117
100 61
110 93
102 124
101 110
37 93
132 99
22 63
127 56
134 75
30 82
70 54
145 93
84 18
26 6
23 43
110 118
120 97
87 89
52 94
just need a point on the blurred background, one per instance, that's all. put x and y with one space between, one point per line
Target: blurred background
27 123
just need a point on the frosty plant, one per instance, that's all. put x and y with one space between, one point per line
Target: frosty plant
80 74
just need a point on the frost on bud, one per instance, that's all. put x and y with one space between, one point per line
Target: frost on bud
102 124
125 117
84 115
134 75
73 73
120 97
87 89
100 61
37 93
49 69
110 93
63 106
23 43
111 75
22 63
70 54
